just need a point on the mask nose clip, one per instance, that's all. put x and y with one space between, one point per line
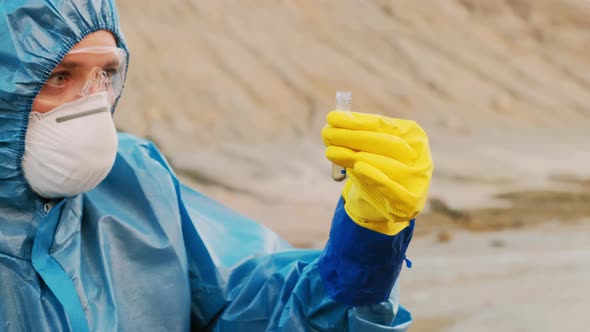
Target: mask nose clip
97 82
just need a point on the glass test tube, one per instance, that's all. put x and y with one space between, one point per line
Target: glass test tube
343 102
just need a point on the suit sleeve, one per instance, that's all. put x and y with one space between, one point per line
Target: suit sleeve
243 277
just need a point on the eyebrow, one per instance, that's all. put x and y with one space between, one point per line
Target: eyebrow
69 64
112 63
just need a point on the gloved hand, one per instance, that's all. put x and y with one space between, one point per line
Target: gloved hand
388 164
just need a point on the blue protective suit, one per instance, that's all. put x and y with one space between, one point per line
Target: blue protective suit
142 252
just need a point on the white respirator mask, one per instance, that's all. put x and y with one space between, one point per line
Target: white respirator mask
72 148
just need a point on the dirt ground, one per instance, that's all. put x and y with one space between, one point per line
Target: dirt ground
523 267
534 278
525 209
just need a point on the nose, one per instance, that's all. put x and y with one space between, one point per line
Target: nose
97 79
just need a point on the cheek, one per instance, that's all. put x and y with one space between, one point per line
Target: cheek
42 106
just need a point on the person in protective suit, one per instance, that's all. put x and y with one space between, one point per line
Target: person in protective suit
98 234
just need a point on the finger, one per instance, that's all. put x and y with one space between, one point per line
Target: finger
369 141
413 135
409 130
400 172
362 121
341 156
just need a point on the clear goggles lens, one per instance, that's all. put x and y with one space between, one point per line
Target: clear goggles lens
86 71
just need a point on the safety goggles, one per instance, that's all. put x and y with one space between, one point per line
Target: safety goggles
86 71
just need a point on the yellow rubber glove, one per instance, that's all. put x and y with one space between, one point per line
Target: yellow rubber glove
388 164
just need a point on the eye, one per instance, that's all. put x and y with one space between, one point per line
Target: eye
58 79
110 74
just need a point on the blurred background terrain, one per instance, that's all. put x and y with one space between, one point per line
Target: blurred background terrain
235 94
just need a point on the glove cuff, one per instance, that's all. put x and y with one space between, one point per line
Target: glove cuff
385 226
360 266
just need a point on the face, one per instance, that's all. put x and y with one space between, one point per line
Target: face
91 66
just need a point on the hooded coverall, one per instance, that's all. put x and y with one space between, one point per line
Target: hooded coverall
143 252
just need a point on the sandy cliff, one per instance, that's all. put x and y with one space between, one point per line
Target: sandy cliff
235 93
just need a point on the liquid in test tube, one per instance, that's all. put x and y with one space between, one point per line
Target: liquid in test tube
343 102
